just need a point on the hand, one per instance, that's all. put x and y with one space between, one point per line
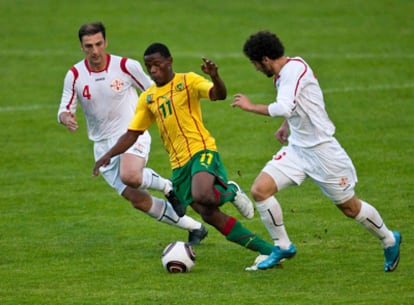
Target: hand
69 120
241 101
282 133
104 161
209 67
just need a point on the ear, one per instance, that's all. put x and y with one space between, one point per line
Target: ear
265 59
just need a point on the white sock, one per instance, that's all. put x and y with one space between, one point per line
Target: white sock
272 217
371 220
164 212
151 180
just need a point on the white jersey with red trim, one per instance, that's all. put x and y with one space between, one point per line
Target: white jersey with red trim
108 97
300 100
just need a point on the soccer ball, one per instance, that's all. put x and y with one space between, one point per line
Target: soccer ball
178 257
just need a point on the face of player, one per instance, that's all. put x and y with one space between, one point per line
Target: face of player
159 68
94 47
264 66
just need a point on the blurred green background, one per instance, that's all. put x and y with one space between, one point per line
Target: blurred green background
67 238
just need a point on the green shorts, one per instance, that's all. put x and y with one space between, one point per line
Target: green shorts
203 161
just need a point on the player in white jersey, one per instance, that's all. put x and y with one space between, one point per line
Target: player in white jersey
106 87
312 151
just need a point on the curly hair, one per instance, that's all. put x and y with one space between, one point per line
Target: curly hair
261 44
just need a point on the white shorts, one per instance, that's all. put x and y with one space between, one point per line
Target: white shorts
111 174
327 164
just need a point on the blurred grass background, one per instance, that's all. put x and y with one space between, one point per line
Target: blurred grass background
66 238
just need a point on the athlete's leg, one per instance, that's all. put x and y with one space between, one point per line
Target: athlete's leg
159 209
133 170
271 180
134 173
206 203
337 181
270 211
202 189
275 176
154 207
369 218
232 229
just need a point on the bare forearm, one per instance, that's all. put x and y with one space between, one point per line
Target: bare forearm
241 101
219 91
123 143
258 108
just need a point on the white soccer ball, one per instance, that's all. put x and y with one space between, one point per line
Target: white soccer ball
178 257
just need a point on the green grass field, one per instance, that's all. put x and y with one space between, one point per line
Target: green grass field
67 238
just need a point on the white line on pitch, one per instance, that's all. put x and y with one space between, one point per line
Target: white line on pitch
26 108
328 90
47 53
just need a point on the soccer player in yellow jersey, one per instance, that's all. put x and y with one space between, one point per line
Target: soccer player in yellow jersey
199 177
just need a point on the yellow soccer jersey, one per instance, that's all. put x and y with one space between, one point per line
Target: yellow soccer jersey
176 109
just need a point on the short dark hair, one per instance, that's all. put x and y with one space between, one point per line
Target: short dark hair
158 48
261 44
91 29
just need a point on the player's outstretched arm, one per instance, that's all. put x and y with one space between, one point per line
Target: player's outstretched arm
123 143
243 102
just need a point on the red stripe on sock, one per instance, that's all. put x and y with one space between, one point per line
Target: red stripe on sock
229 226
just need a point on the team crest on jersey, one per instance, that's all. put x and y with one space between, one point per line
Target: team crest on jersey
150 99
179 87
117 85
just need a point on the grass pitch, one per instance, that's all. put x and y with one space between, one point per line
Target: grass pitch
67 238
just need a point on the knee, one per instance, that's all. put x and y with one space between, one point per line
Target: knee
259 193
204 199
203 195
131 179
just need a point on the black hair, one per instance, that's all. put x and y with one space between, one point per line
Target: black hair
91 29
158 48
261 44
